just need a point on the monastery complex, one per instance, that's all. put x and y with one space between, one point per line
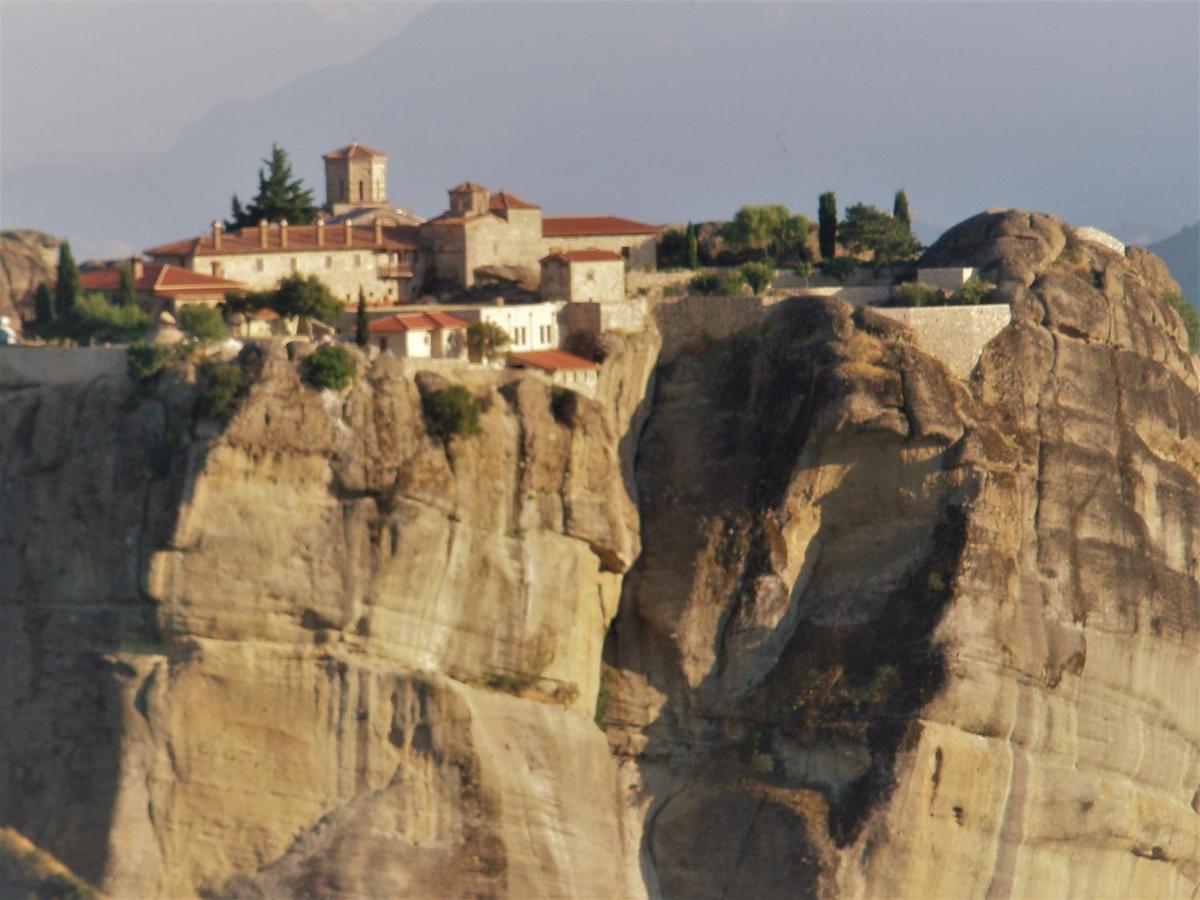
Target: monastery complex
363 241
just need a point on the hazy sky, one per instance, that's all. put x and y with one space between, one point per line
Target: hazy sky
124 124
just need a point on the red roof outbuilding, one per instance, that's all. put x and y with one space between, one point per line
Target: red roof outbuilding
550 360
427 321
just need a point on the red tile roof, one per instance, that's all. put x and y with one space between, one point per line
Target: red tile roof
467 186
503 202
416 322
300 238
164 280
584 226
353 151
550 360
589 255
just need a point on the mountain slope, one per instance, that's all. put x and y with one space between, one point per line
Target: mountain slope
1181 253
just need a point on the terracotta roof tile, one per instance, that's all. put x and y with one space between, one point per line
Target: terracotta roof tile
415 322
352 151
300 238
550 360
502 202
467 186
165 280
583 226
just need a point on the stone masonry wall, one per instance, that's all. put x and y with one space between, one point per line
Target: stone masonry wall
642 247
954 334
343 269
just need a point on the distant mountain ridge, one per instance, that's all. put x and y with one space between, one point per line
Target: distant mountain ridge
1181 253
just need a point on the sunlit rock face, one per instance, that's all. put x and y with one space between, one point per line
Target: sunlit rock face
853 626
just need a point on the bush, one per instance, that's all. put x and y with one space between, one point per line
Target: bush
452 412
227 385
731 283
705 283
330 366
758 275
486 340
204 323
1191 318
838 268
974 291
145 360
93 318
913 294
307 296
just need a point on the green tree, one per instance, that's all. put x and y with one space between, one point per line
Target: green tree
43 307
866 228
974 291
1189 315
330 366
306 296
827 225
451 412
362 334
204 323
900 209
758 275
693 247
486 340
126 293
280 196
225 386
770 230
67 285
804 269
93 318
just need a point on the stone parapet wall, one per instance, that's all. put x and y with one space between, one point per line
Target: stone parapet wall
954 334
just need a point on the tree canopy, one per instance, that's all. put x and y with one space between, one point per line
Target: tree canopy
866 228
900 208
827 224
486 340
280 196
771 230
67 285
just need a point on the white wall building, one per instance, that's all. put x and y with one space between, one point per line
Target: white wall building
948 279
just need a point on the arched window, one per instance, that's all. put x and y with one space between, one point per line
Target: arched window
360 189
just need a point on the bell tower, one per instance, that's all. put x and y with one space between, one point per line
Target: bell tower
355 176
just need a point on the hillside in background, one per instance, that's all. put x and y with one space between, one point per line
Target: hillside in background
1181 253
27 258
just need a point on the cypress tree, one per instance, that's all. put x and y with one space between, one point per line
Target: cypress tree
66 286
693 247
361 333
827 225
43 307
900 209
126 294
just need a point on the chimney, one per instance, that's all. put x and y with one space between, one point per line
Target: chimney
262 233
320 231
135 266
216 231
349 233
378 232
283 233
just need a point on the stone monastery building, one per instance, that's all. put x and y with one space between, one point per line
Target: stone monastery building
362 241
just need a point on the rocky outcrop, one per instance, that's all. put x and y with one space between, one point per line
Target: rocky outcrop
891 634
27 258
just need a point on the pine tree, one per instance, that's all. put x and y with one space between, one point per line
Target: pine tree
280 196
43 307
361 332
126 293
67 286
693 247
827 225
900 209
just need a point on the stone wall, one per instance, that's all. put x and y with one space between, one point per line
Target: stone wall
954 334
343 269
628 317
642 248
690 319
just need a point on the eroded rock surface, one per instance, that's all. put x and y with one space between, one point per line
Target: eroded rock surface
27 258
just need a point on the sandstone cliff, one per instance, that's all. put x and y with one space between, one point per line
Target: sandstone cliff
27 258
879 632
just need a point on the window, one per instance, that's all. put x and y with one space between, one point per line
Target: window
258 264
625 252
360 189
216 269
329 262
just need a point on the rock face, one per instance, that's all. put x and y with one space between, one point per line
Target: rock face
878 631
27 258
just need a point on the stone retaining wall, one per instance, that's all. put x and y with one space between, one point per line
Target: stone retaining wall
21 366
954 334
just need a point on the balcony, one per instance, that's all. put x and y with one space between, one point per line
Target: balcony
394 270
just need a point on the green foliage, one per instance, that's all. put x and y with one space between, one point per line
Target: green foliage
838 268
705 283
93 318
770 230
452 412
204 323
67 286
126 293
827 225
43 307
758 275
731 283
307 296
805 270
974 291
913 294
900 209
330 366
146 360
249 302
280 196
869 229
362 333
693 247
486 340
226 385
1189 315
